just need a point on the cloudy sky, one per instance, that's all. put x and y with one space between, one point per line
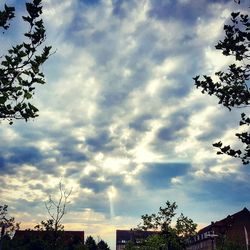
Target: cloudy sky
120 120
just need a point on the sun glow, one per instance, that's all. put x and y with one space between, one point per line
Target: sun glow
112 192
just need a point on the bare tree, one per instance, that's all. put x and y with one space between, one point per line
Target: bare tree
57 208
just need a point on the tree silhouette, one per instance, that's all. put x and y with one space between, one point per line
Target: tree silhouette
20 68
173 237
7 224
102 245
232 87
90 243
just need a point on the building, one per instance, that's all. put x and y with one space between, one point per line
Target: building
64 237
135 236
234 229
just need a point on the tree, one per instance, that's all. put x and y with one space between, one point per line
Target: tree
102 245
174 237
155 242
20 68
160 221
152 242
130 245
232 87
7 224
222 243
90 243
185 227
56 210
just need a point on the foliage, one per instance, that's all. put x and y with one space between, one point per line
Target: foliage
5 16
130 245
185 227
48 225
232 87
155 242
7 225
224 244
161 220
168 237
90 243
102 245
20 68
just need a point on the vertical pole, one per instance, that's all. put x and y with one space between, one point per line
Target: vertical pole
246 237
212 243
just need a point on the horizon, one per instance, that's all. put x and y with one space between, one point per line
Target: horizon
112 244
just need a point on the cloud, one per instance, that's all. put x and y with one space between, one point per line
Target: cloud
120 112
159 175
227 190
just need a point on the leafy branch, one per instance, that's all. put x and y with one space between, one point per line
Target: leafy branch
20 69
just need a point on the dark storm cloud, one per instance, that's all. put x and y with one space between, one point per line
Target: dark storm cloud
158 175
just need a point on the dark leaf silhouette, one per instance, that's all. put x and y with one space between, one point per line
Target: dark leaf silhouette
20 68
232 89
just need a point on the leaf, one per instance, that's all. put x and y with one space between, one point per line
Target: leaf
225 149
27 19
33 108
217 144
22 54
27 95
3 99
219 153
235 14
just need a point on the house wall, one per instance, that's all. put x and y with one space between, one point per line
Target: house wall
231 228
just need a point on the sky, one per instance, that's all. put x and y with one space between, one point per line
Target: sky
121 122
